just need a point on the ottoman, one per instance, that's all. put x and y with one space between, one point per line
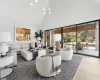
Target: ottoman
27 54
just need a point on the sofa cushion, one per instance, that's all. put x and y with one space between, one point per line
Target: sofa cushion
25 45
16 46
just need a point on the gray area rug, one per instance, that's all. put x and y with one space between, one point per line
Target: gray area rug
26 70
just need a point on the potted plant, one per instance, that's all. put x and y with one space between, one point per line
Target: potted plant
39 35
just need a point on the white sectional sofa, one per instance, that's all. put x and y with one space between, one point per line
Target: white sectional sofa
25 46
19 46
15 47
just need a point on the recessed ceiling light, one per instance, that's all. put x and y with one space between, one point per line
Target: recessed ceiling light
43 9
36 1
44 12
49 9
31 4
49 12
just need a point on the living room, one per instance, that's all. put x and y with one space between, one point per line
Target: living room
54 16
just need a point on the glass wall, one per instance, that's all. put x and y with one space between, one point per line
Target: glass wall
84 38
53 37
87 39
69 37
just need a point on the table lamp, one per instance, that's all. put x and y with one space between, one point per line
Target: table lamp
57 37
4 37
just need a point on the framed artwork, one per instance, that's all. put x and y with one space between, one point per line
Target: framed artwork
22 34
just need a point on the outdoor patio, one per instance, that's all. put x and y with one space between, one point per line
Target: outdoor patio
88 51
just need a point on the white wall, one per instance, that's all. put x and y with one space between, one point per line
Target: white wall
8 25
20 13
21 10
69 12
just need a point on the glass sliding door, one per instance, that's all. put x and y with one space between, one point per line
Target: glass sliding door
88 39
83 37
69 37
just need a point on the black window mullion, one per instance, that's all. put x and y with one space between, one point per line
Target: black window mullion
99 38
62 37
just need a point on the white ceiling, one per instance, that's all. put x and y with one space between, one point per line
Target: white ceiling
21 10
96 1
69 12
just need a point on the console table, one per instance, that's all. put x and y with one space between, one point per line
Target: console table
35 53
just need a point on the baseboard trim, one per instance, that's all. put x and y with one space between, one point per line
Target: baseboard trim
87 55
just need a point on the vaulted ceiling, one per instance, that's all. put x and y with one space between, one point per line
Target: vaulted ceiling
69 12
22 10
63 12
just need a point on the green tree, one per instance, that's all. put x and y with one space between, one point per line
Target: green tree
69 37
86 36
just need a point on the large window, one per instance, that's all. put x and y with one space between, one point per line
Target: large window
69 37
84 38
87 39
53 37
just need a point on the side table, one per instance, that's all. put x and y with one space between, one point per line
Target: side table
4 62
35 53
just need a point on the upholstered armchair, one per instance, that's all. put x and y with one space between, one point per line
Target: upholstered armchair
47 67
66 53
